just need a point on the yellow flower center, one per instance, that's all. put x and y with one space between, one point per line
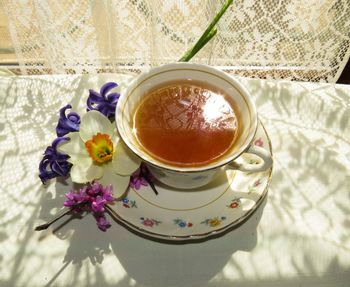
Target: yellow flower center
100 148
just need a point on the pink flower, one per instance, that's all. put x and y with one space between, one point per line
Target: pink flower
98 205
91 198
139 177
137 181
102 223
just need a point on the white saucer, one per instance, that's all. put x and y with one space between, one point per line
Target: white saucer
198 213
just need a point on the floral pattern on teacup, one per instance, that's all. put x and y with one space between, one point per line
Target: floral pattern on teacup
259 142
254 186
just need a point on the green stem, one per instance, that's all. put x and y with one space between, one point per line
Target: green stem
207 35
191 53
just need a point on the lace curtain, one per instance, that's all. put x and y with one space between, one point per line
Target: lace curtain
293 39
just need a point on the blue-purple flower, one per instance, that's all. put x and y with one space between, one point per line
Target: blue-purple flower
91 198
54 163
67 123
103 102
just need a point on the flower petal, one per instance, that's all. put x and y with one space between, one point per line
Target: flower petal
78 174
94 97
124 161
67 123
94 172
94 122
85 161
75 148
107 87
120 183
113 97
82 173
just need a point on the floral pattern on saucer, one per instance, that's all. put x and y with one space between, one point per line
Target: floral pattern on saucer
127 203
149 222
182 223
235 203
190 214
214 222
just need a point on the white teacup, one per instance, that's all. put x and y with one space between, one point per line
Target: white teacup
193 177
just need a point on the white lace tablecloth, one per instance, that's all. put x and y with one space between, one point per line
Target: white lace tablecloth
301 236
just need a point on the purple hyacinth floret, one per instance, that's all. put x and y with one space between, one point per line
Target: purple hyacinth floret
103 102
92 198
54 163
67 123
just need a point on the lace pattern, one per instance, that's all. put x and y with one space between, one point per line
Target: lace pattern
292 39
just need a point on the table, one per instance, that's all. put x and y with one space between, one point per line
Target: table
299 236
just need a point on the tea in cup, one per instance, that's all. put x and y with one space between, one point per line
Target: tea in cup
188 121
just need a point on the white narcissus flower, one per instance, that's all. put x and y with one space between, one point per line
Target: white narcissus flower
97 153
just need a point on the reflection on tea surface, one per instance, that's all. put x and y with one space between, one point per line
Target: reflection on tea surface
186 123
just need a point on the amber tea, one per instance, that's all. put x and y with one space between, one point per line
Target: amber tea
186 123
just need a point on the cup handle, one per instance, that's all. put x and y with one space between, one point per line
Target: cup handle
255 159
